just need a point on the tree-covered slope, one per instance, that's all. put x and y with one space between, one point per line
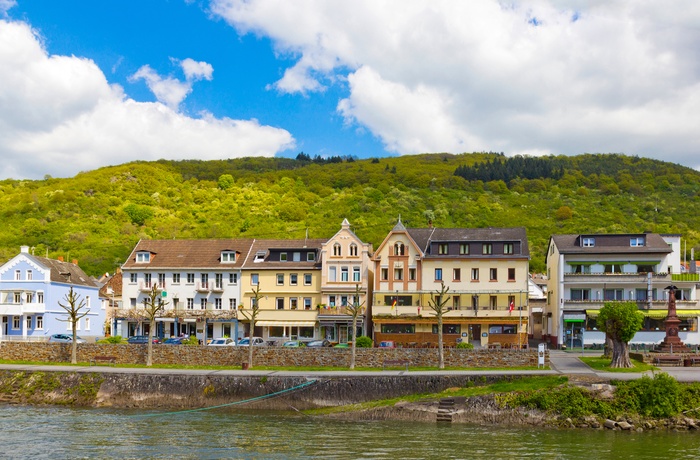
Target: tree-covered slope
98 216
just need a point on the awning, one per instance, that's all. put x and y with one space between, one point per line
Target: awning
659 314
286 323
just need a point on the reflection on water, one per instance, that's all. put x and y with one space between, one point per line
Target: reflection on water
57 432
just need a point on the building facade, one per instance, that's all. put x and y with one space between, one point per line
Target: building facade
31 288
485 270
586 270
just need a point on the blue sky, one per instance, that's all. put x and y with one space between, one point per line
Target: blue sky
87 83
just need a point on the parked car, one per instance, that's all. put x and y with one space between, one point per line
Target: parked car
174 341
257 342
387 344
140 339
294 344
65 338
319 343
222 342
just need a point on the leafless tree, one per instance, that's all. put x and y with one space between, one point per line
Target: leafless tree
355 310
153 306
438 303
252 316
74 306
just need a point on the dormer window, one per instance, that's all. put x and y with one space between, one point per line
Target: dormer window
143 257
588 242
310 256
637 242
259 256
283 256
228 257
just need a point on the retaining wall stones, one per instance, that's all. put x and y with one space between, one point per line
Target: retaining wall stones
267 356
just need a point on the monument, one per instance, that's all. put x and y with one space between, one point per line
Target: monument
672 343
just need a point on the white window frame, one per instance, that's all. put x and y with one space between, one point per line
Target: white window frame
308 279
143 257
40 322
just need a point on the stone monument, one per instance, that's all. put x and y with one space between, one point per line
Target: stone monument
672 343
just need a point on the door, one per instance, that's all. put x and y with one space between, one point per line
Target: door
4 325
475 334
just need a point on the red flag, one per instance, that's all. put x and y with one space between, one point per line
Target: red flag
511 306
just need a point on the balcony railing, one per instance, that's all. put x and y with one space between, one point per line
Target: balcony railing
616 277
18 309
685 277
218 287
145 286
203 287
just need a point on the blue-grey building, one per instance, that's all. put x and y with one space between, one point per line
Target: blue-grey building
31 288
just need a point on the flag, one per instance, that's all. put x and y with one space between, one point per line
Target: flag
393 305
511 306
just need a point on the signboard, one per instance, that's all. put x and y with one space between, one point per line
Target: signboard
575 318
164 294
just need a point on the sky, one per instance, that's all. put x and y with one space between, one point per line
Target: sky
86 84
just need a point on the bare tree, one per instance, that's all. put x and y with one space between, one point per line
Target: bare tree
438 303
355 310
153 306
74 307
252 316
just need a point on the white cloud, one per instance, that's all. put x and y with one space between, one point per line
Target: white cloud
59 115
5 5
524 76
196 70
170 91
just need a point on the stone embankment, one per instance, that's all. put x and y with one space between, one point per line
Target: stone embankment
267 356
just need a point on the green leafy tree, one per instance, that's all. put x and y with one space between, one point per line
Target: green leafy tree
75 307
226 181
620 321
438 304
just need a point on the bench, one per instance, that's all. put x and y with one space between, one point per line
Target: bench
671 360
395 363
103 360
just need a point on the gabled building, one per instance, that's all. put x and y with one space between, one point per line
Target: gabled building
111 298
31 288
346 269
486 271
288 276
198 280
586 270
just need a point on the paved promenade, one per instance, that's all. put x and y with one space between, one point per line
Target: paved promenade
561 363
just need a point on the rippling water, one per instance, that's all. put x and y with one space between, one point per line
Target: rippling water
57 432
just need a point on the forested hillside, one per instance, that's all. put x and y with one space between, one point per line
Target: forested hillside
98 216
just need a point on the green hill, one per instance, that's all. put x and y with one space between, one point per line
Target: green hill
98 216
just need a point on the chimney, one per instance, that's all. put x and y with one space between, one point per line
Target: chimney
60 258
24 249
75 261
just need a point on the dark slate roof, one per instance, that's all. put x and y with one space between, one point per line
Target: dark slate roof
618 243
424 236
189 253
266 246
60 271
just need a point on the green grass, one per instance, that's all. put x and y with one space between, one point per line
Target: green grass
600 363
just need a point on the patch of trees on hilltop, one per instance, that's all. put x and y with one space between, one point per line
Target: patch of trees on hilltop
507 169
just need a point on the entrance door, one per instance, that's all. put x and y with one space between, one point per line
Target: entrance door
475 335
343 334
4 325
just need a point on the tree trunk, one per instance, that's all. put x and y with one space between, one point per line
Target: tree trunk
354 339
441 353
74 346
608 347
250 344
620 355
149 354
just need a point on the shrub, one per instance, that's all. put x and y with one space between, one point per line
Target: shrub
363 342
191 340
656 397
465 345
114 339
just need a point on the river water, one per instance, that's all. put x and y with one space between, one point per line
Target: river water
59 432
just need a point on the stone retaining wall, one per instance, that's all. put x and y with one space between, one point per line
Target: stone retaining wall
267 356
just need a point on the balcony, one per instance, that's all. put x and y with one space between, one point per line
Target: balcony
18 309
145 286
641 304
218 287
452 313
202 287
615 278
335 311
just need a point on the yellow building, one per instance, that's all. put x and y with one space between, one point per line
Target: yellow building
485 270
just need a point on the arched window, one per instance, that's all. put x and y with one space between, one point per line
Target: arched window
399 249
353 250
336 250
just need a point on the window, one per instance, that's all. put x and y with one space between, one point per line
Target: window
29 297
398 274
443 248
438 274
133 277
217 304
40 322
411 274
253 303
486 248
507 248
353 250
232 304
219 281
310 256
176 278
205 280
293 303
280 279
448 329
344 300
511 274
356 274
29 275
344 274
493 302
502 329
637 242
147 280
87 301
228 257
613 294
588 242
464 248
40 297
176 303
18 275
398 328
233 278
132 302
493 274
203 304
580 268
640 295
254 279
87 324
307 279
279 303
296 256
332 274
15 322
307 303
190 278
29 322
143 257
399 249
259 256
580 294
337 251
283 256
613 268
331 300
190 303
293 279
456 274
455 302
475 274
384 274
161 280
